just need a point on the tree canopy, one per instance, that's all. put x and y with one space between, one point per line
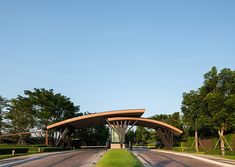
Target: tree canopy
39 108
213 104
3 104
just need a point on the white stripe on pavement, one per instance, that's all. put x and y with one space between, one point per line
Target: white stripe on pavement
196 157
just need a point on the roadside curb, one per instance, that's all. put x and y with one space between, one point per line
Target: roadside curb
141 159
97 158
196 157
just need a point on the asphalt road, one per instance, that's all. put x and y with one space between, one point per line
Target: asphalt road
160 159
84 158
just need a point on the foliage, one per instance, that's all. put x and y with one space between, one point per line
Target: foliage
142 135
117 158
52 149
50 107
17 150
212 105
219 98
193 116
21 115
95 136
172 119
39 108
130 136
3 104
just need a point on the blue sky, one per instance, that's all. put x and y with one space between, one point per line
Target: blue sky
108 55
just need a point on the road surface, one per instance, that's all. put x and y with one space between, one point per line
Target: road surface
166 159
82 158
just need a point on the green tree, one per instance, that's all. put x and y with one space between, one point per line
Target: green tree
219 100
172 119
50 107
130 136
142 135
193 116
3 105
39 108
21 116
95 135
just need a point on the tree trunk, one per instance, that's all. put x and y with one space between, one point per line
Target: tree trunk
196 141
221 135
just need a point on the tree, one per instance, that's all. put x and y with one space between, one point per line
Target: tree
3 104
172 119
193 116
93 136
142 135
96 135
130 136
219 100
21 116
50 107
39 108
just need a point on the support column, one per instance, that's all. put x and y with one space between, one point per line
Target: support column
120 127
166 137
46 138
64 138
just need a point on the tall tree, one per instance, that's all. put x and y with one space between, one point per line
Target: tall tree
172 119
219 100
3 104
142 135
39 108
50 107
21 116
193 116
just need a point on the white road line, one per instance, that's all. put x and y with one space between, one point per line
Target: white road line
34 158
195 157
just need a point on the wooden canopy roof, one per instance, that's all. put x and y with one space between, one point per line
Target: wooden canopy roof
130 115
145 122
97 118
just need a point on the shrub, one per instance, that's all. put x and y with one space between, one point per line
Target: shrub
17 150
52 149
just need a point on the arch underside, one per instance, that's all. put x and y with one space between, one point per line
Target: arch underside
121 121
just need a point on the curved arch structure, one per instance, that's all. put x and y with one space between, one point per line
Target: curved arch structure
118 121
150 123
97 118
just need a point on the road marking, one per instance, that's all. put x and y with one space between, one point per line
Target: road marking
35 158
195 157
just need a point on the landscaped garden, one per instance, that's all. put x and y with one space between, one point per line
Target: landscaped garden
117 158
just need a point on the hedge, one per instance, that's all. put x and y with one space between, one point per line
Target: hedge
17 150
52 149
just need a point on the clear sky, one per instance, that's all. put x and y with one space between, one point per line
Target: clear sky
108 55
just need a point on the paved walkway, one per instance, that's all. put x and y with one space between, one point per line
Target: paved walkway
81 158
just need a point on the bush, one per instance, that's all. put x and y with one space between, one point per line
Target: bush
52 149
17 150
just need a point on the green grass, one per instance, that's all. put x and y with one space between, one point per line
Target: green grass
119 158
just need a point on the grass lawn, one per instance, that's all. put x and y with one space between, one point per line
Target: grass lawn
119 158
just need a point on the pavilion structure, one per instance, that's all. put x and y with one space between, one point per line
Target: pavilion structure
119 121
